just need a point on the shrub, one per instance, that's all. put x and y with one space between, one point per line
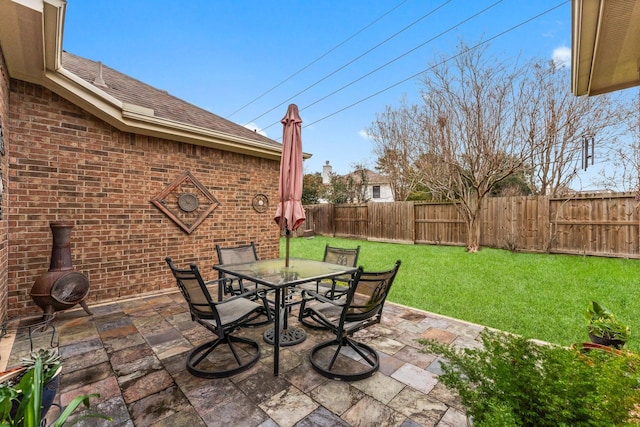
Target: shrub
512 381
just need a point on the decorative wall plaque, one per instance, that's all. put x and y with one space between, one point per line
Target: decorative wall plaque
260 203
186 201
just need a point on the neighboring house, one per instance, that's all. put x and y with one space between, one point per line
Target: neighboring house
140 174
377 189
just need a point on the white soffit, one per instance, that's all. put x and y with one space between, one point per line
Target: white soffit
606 45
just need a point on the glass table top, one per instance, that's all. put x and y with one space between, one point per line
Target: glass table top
272 272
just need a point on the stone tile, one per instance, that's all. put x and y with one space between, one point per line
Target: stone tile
91 374
204 392
305 377
175 363
84 360
130 355
188 417
107 388
158 406
145 385
116 344
337 396
114 408
441 393
386 345
321 417
416 328
419 379
389 364
288 407
263 385
80 348
112 321
380 387
439 335
415 357
453 418
418 407
370 412
236 411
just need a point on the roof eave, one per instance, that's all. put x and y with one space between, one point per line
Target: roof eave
31 37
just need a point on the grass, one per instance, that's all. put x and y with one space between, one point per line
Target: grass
536 295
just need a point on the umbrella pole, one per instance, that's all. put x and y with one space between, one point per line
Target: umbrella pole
286 259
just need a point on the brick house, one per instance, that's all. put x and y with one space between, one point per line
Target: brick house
87 145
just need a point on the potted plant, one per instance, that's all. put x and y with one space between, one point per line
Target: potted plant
513 381
604 328
27 392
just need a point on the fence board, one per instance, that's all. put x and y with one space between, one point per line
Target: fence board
593 224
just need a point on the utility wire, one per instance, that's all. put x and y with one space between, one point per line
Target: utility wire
396 58
353 60
318 58
440 63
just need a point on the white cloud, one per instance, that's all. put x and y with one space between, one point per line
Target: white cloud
562 56
254 127
363 133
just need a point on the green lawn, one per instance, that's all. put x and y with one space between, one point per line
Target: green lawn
536 295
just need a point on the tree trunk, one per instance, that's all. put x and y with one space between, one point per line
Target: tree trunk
473 232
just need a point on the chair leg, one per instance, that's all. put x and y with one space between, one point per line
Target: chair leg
342 367
199 356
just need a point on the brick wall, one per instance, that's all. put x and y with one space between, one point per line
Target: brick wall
4 121
66 165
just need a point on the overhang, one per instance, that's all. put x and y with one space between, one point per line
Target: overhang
605 46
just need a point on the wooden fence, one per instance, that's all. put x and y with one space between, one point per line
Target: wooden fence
590 224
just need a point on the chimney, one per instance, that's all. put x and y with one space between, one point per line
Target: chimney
326 173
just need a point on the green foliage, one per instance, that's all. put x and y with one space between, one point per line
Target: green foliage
513 381
312 188
601 322
43 365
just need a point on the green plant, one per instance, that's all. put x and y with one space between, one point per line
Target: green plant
513 381
21 400
602 323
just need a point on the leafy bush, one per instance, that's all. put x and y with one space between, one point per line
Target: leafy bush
512 381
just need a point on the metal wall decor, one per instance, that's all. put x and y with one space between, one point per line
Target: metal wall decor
186 201
260 203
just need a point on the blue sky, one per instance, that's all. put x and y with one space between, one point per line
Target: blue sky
247 60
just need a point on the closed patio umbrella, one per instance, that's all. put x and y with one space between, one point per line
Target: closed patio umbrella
290 213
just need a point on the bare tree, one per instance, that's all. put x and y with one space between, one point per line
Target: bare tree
554 124
625 156
396 133
470 123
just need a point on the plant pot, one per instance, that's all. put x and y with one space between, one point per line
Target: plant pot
49 392
606 341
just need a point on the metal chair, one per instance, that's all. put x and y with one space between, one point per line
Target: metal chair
227 354
360 308
236 255
335 287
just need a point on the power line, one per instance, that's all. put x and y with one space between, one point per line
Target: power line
318 58
352 61
440 63
401 56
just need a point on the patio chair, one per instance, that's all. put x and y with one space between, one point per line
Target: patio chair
360 308
337 286
236 255
227 354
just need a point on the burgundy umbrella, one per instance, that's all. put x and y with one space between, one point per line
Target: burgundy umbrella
290 213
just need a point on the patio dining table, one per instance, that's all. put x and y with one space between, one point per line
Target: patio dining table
273 274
